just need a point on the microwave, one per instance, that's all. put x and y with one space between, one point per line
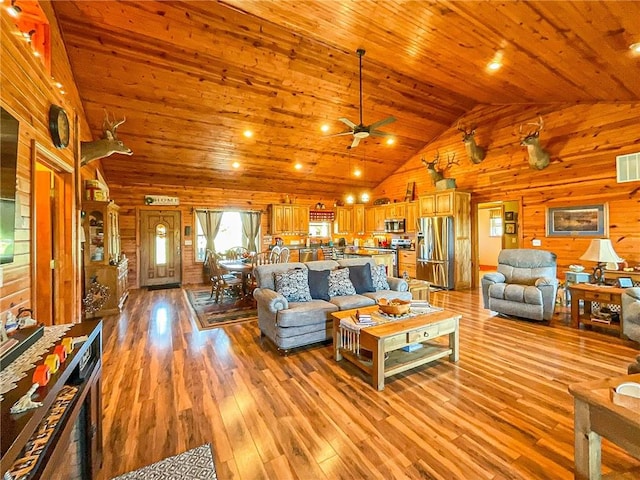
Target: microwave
394 225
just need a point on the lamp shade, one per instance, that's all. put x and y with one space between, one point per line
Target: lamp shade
600 250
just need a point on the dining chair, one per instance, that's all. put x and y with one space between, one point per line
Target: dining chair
237 253
275 254
284 255
261 258
221 283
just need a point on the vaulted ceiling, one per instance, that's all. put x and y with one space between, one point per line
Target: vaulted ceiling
192 76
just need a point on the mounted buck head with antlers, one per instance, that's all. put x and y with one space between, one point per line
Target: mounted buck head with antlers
437 174
107 145
475 153
538 157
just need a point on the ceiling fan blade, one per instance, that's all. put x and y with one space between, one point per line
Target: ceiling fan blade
379 133
347 122
356 141
338 134
380 123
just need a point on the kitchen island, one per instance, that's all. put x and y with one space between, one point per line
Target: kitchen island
382 256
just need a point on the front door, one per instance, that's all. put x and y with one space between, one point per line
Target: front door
160 262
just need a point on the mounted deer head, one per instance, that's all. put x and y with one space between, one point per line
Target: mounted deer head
475 153
538 157
437 174
107 145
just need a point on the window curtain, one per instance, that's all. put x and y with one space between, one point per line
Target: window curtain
210 222
250 229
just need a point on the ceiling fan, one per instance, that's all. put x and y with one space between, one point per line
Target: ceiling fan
362 131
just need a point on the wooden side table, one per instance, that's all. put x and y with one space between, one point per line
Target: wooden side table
419 289
596 415
595 293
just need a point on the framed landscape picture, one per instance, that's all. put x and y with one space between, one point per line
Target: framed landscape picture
580 221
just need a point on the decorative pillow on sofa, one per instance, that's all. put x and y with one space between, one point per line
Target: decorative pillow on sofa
340 284
319 284
360 276
379 277
293 285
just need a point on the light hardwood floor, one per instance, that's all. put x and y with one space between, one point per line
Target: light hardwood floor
502 412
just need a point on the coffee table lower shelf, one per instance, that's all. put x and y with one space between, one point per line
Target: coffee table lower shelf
399 361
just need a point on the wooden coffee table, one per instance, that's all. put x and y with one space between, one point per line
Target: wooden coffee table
389 338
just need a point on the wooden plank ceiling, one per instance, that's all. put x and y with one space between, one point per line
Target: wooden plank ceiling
191 77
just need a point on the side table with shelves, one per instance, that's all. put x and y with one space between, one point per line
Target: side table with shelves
599 294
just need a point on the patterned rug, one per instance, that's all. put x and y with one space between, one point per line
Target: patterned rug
195 464
213 315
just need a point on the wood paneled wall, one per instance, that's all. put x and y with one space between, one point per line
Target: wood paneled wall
131 201
27 91
583 141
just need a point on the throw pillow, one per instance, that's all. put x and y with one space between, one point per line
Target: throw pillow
360 276
319 284
340 284
379 277
293 285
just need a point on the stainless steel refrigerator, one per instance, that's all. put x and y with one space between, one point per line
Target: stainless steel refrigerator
435 251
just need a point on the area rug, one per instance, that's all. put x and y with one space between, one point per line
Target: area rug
213 315
195 464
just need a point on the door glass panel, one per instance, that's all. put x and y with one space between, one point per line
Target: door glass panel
161 244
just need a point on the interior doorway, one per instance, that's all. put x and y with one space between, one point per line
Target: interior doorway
497 228
160 255
53 280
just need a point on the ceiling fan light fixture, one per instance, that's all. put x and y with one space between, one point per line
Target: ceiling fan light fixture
635 47
391 141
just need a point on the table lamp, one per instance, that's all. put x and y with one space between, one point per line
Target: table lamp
601 251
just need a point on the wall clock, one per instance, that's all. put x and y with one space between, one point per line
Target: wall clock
59 126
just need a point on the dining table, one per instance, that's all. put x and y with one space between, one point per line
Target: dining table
239 266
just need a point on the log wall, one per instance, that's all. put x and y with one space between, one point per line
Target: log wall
583 141
27 91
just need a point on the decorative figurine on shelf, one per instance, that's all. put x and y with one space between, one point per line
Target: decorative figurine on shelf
96 297
25 403
25 319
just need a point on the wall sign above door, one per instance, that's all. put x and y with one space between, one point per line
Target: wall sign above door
161 200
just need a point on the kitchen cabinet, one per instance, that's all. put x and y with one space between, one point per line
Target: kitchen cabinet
369 219
289 219
396 210
380 215
411 224
344 220
358 219
440 203
407 262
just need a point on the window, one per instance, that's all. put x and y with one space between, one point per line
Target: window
161 244
495 222
229 235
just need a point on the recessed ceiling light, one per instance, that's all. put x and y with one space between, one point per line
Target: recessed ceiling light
390 141
298 166
357 172
496 61
364 197
248 133
235 165
635 47
324 128
349 198
58 84
14 10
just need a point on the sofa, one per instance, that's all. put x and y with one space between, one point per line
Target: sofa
631 313
290 323
525 284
